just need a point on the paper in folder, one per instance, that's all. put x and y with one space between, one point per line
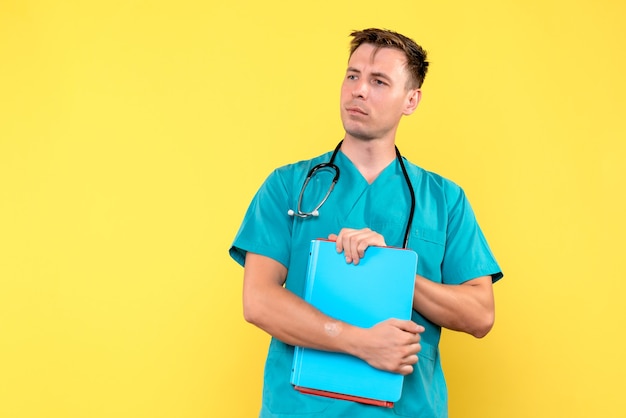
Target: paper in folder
378 288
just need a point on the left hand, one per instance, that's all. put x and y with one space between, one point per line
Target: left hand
354 242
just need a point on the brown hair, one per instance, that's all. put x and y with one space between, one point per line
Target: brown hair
417 65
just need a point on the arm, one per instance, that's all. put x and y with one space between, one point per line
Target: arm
390 345
468 307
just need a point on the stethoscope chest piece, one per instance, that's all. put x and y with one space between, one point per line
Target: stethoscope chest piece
315 212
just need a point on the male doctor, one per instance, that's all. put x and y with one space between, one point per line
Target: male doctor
369 206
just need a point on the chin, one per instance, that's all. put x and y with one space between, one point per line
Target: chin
360 135
357 133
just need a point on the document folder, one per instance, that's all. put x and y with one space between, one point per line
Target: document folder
378 288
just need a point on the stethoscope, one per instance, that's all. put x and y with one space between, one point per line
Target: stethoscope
330 165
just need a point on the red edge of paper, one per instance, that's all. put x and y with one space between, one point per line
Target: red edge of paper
369 401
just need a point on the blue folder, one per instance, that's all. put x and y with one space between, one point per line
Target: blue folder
378 288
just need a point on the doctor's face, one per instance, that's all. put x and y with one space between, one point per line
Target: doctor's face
374 93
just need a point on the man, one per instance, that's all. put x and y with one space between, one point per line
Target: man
369 206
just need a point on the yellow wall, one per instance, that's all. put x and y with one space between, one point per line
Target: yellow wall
134 133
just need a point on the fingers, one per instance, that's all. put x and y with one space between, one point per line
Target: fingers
406 367
405 370
393 345
411 345
354 242
408 326
406 363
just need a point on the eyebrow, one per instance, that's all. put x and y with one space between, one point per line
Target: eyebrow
374 74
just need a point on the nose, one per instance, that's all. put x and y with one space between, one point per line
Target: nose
359 90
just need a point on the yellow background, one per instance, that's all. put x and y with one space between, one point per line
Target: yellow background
133 135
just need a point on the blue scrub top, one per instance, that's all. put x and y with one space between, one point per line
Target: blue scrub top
450 245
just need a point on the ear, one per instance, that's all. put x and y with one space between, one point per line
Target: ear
413 98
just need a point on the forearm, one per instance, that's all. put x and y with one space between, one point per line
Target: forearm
282 314
468 307
288 318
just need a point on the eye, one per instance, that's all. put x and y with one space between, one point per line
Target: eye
351 77
379 82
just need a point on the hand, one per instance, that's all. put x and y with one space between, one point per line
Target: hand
392 345
354 242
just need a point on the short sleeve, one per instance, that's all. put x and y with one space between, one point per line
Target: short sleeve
467 254
266 227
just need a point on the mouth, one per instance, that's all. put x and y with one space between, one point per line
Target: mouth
355 110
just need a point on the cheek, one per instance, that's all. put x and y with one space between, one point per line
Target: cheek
395 103
344 95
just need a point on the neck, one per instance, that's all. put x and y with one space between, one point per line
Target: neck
370 157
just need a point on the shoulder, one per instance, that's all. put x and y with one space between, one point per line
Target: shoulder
434 182
299 169
304 164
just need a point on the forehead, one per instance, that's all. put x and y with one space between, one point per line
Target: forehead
368 58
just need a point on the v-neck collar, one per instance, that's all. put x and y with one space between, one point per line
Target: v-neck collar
355 176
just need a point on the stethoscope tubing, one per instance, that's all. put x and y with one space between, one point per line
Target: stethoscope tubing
331 164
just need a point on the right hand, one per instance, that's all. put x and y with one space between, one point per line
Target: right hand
392 345
353 242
